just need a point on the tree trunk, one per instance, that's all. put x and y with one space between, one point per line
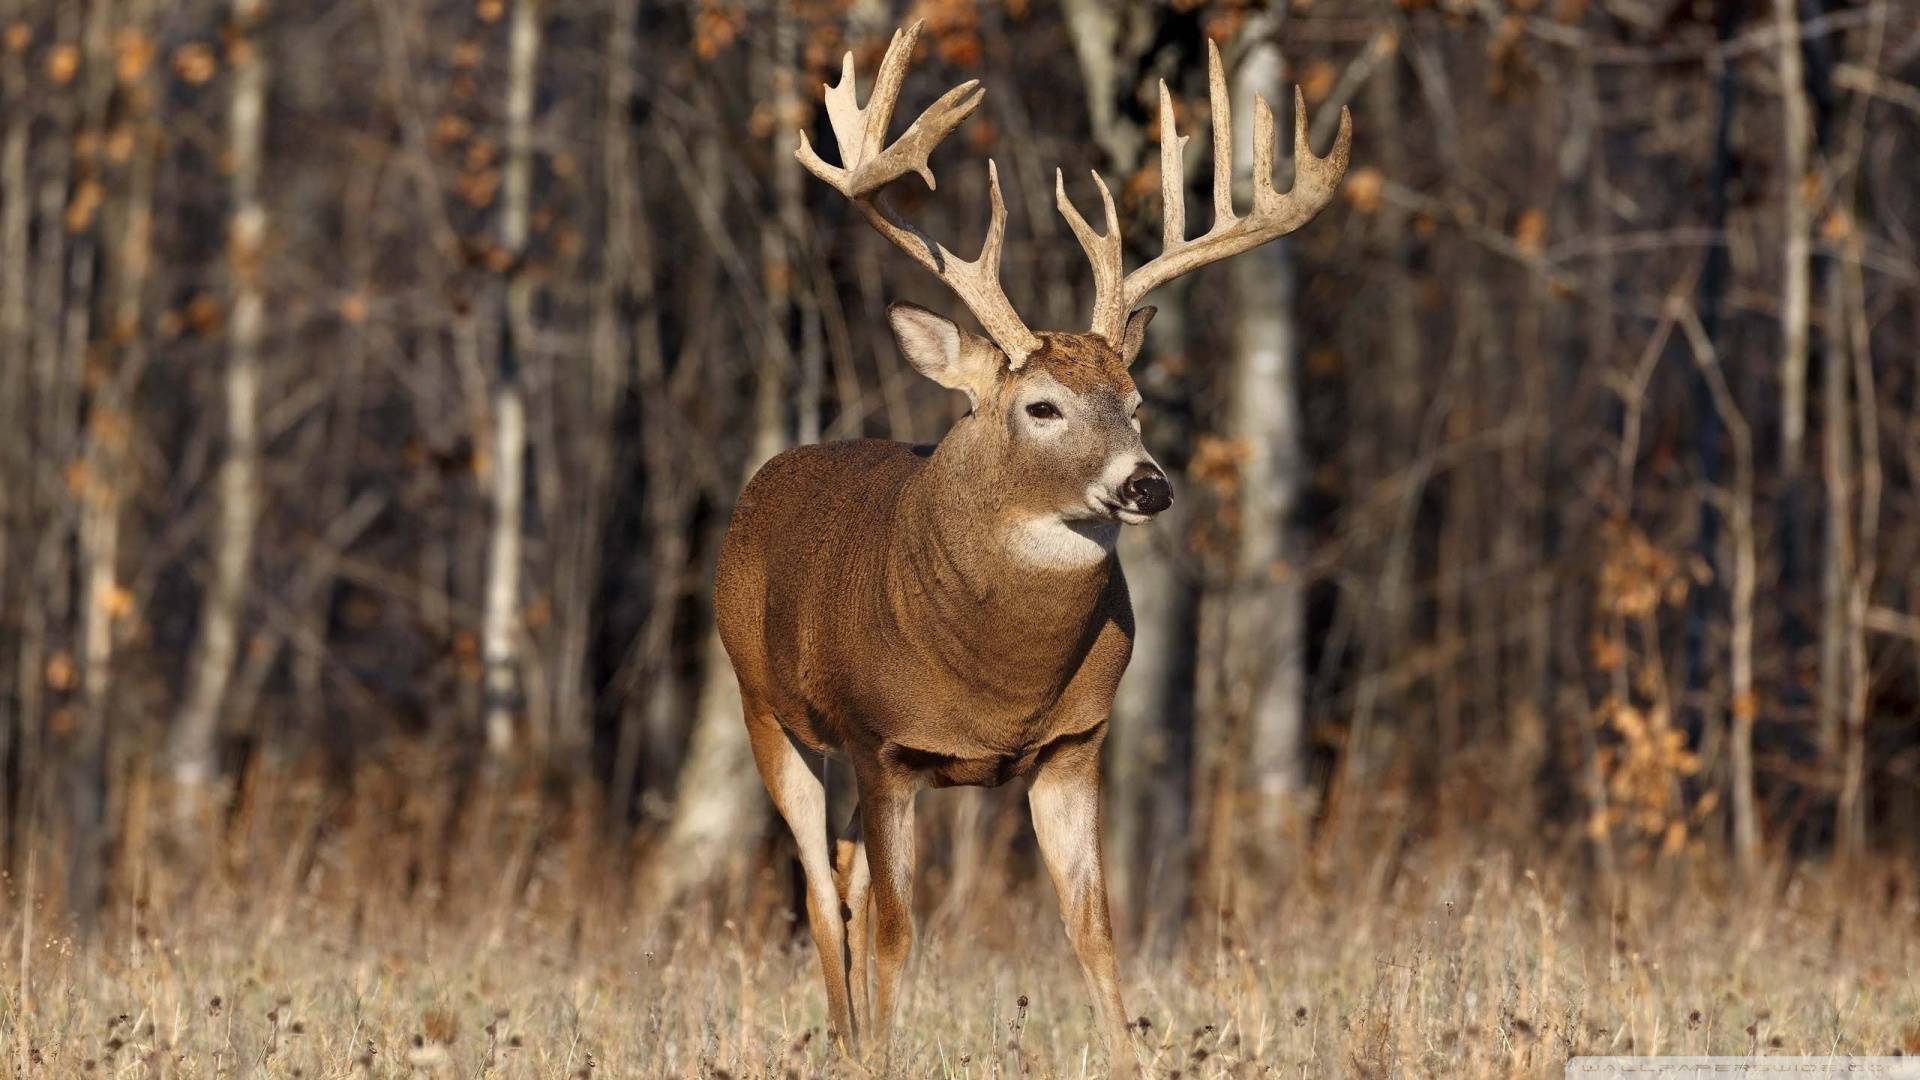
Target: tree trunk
718 806
1837 557
501 622
89 742
1264 646
1851 809
196 732
17 520
1796 259
1741 705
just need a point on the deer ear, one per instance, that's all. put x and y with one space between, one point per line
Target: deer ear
1135 334
943 352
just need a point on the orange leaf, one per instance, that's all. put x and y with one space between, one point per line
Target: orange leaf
194 64
1317 81
1362 189
63 62
133 52
1530 232
60 670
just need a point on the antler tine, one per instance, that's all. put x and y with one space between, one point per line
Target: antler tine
1314 178
868 164
1263 192
1220 112
976 283
1103 252
886 88
1273 215
1173 171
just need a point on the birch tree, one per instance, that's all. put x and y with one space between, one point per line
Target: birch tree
1265 644
196 730
501 622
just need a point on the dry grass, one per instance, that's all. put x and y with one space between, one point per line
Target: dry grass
1456 973
346 950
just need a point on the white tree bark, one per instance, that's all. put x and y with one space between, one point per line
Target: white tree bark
196 733
1264 646
500 619
1796 264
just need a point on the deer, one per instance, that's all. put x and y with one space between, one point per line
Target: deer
955 614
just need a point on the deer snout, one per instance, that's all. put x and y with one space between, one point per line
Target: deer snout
1147 490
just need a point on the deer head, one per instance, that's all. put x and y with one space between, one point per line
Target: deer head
1060 408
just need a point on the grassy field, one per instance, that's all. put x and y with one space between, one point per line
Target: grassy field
1468 966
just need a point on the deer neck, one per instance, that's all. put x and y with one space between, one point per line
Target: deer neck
988 580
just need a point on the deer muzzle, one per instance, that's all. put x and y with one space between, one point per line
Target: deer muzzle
1146 490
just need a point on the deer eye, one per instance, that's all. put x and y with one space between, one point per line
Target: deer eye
1044 410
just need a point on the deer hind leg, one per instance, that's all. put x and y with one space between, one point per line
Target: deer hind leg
795 779
855 880
852 878
886 820
1065 800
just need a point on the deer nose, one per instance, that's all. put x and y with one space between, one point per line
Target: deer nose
1147 489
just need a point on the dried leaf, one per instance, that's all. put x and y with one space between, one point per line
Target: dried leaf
194 63
117 602
1530 232
80 211
1362 189
63 62
1318 80
133 52
60 670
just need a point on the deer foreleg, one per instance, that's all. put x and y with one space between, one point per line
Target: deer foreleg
1065 800
855 881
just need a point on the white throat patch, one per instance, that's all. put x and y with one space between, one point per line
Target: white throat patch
1049 542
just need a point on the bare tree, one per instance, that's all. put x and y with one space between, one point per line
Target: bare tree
718 806
501 626
1741 703
1265 655
1797 221
196 730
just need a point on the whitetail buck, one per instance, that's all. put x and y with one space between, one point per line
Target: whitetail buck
955 614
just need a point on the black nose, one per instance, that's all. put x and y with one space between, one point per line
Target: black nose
1147 489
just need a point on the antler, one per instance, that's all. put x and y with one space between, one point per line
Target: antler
1274 215
867 167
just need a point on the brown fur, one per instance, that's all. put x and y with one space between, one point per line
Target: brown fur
875 614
